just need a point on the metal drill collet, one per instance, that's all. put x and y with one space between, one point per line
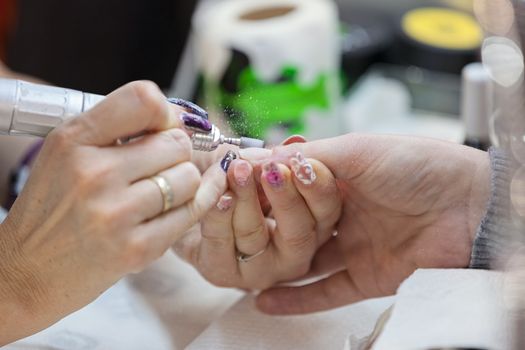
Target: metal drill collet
208 142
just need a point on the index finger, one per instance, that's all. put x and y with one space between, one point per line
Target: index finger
134 108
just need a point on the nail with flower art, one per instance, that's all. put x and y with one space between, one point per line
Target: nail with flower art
273 175
303 171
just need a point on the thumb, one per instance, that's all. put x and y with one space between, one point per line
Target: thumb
334 291
346 156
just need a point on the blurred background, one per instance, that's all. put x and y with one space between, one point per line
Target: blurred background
272 68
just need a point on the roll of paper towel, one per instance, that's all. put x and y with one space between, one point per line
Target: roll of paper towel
271 67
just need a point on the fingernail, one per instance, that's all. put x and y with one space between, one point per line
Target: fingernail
251 154
190 106
273 175
242 172
195 122
294 139
225 203
227 160
303 170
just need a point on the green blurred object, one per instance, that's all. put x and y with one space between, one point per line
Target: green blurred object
254 106
261 105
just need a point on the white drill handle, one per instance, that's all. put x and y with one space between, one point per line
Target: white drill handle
34 109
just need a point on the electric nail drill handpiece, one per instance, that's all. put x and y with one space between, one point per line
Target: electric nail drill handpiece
34 109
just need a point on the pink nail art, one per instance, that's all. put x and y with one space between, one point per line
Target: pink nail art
273 175
303 170
242 173
225 203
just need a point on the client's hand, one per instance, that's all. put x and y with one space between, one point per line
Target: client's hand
236 245
408 203
91 213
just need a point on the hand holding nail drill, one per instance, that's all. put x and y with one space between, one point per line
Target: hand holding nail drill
115 206
94 208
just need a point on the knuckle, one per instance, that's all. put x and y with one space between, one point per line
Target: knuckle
181 138
252 234
149 96
91 176
109 219
178 145
135 253
60 138
300 241
215 242
181 142
117 216
289 204
191 175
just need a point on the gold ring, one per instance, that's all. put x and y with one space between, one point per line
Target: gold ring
244 258
168 198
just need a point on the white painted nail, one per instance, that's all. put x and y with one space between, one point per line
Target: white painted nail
225 203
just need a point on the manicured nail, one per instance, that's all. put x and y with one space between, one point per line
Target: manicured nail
195 122
190 106
303 170
227 160
273 175
294 139
225 203
242 173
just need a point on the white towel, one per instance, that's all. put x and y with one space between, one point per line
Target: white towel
448 309
162 308
243 327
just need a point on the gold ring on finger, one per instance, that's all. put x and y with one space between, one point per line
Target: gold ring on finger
168 197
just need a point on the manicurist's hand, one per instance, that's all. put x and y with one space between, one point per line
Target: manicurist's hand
91 211
408 203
